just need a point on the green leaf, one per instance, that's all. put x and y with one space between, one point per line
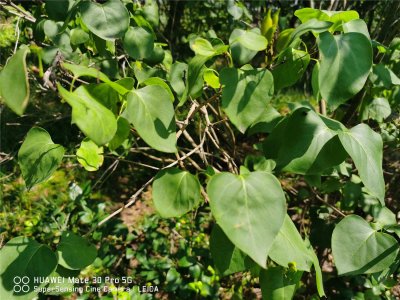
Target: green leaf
58 10
289 248
59 286
194 78
312 25
377 109
365 148
346 61
160 82
251 40
383 216
228 259
202 47
175 192
283 39
318 272
245 95
75 252
291 66
382 76
14 85
336 17
138 42
250 209
341 17
38 156
123 130
278 283
211 78
306 14
108 21
357 25
151 112
89 155
304 143
240 54
359 249
93 119
151 12
79 71
177 77
266 121
24 259
78 36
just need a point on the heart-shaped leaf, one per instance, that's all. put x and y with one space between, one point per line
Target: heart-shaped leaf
359 249
305 143
108 21
175 192
75 252
151 112
245 95
138 42
346 62
96 121
250 209
22 260
38 156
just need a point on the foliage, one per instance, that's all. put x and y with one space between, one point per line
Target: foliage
253 194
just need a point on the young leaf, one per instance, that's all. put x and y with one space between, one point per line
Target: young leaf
24 259
38 156
250 209
278 283
228 259
289 247
359 249
89 155
151 112
108 21
365 148
14 85
211 78
202 47
252 41
346 61
245 95
175 192
96 122
240 54
312 25
75 252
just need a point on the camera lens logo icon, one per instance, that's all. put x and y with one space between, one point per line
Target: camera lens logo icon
21 284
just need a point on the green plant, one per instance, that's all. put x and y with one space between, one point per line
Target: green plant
209 135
